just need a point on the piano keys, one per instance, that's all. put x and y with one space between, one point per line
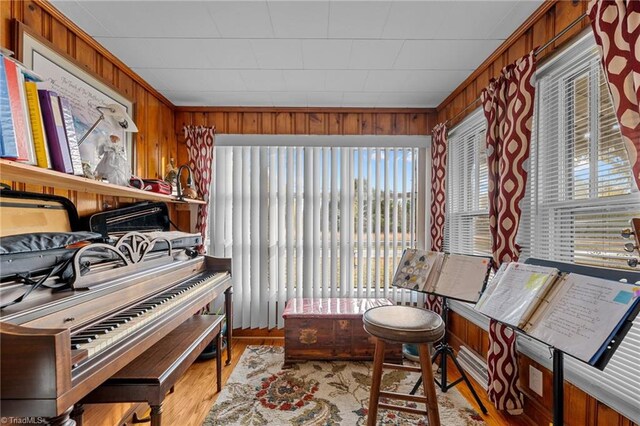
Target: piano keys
55 348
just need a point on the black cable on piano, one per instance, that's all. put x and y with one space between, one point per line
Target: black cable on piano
26 278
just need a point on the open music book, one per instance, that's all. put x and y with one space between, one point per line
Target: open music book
577 314
451 275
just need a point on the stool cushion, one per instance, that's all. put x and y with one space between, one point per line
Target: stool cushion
404 324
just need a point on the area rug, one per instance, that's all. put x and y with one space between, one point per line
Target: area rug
317 393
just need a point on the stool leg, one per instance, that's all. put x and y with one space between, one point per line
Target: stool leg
429 385
376 379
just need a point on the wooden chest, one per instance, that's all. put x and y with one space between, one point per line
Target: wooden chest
331 329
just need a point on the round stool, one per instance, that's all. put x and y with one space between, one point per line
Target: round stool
403 324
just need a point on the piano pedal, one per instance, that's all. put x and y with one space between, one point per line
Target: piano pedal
138 420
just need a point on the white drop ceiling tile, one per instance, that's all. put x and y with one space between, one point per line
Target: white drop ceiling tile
411 99
374 54
241 18
345 80
305 80
81 17
289 99
160 52
278 53
413 81
357 19
229 53
520 11
414 19
153 19
324 99
360 99
189 98
471 19
299 19
444 54
326 54
193 80
405 99
263 80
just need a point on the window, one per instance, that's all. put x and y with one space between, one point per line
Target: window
467 210
581 195
581 191
311 222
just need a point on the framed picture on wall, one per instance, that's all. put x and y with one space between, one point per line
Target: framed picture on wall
84 90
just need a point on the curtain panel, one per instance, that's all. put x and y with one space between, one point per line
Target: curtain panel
200 141
508 107
438 199
616 28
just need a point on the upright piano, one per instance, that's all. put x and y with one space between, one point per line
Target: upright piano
56 347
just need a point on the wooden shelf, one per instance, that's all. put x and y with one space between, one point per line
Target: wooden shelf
11 170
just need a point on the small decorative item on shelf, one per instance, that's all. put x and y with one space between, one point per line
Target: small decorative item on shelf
190 190
152 185
113 165
170 176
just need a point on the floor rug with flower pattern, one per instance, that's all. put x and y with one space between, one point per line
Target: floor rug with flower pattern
260 392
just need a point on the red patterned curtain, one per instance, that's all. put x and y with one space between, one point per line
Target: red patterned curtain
200 141
616 27
508 108
438 198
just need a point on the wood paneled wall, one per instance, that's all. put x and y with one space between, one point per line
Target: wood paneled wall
580 409
153 114
550 19
305 121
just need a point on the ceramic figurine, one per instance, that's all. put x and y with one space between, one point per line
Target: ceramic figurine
113 165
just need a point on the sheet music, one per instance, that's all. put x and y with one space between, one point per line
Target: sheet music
515 292
583 312
417 269
462 277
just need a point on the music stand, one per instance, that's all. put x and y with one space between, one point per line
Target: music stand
444 351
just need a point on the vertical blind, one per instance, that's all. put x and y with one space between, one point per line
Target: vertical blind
311 222
581 195
467 210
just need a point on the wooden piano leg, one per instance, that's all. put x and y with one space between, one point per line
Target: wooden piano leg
228 301
63 419
156 415
77 413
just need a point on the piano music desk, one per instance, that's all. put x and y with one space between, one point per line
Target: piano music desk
150 376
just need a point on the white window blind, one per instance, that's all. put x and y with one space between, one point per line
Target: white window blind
581 195
311 222
467 209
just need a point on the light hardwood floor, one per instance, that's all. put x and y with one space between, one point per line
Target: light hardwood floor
195 393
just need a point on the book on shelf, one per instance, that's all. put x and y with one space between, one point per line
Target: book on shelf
54 129
578 314
455 276
8 145
37 125
72 139
21 129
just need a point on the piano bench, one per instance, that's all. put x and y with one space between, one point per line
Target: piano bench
153 374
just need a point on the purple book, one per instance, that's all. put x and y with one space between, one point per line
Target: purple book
54 128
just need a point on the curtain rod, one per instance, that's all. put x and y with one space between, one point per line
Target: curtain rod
537 51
